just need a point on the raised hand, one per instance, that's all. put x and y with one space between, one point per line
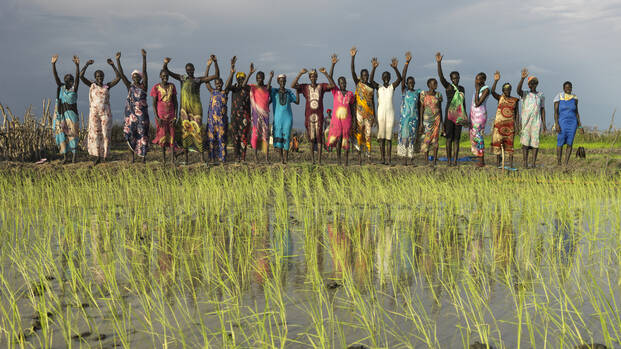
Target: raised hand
117 55
439 57
89 62
213 58
76 60
109 60
271 74
524 73
233 60
167 60
322 70
353 51
408 56
252 70
334 58
144 53
496 75
374 62
54 59
394 61
303 71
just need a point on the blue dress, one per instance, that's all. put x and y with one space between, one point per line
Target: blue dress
283 117
66 121
567 118
408 123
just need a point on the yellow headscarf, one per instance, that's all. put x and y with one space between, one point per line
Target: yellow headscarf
240 75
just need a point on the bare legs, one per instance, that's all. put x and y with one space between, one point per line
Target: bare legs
525 151
559 154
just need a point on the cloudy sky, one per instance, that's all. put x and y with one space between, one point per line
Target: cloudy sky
556 40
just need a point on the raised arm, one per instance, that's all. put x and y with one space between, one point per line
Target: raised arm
404 75
54 60
76 81
297 97
250 72
353 52
496 78
120 68
479 98
330 80
521 83
229 81
117 78
269 82
375 64
86 81
294 84
334 59
207 83
444 82
145 79
165 67
394 64
206 79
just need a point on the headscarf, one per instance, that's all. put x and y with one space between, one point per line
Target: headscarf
240 75
136 71
281 76
532 78
506 84
313 71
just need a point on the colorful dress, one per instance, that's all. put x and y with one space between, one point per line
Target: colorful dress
240 118
385 112
567 118
66 120
313 114
190 129
165 97
431 120
408 125
532 103
260 110
504 125
283 117
478 117
136 127
99 121
365 112
217 125
340 123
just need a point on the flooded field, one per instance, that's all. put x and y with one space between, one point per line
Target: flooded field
307 257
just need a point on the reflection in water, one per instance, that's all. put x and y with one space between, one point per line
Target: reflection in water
564 244
504 243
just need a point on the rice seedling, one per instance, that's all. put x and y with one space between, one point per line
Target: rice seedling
308 257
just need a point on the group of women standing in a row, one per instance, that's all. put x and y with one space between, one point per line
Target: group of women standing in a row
179 127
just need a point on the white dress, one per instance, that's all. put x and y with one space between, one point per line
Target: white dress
385 112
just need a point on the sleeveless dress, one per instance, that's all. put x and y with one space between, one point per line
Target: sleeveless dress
136 127
385 112
478 117
567 118
431 120
504 125
65 123
217 125
408 124
99 121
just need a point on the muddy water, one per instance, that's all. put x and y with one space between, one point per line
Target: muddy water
380 277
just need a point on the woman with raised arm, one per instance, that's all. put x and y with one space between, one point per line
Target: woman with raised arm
190 129
240 113
566 121
136 128
216 116
430 111
260 109
341 121
503 131
313 115
478 117
165 107
65 123
365 106
386 111
533 117
282 97
456 115
408 124
99 114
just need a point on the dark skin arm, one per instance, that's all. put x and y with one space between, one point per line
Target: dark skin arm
496 78
229 81
294 84
331 83
207 78
578 118
76 81
420 115
408 58
372 82
334 58
399 78
297 98
250 72
55 73
543 119
478 100
208 84
172 75
116 71
353 52
557 127
86 81
157 116
269 82
520 92
120 68
145 78
443 81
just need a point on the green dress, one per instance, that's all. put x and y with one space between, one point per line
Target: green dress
190 127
